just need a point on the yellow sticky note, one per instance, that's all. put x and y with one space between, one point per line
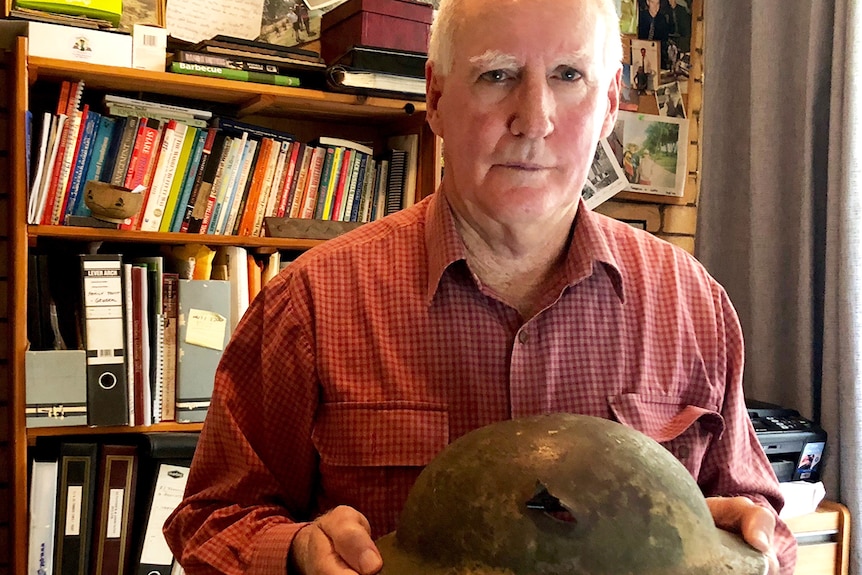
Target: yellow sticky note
206 329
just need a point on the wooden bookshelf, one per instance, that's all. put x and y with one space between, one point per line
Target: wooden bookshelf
310 113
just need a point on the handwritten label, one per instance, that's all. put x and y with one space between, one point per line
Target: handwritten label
196 20
206 329
115 513
74 496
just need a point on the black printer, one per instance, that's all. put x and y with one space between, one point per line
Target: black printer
793 444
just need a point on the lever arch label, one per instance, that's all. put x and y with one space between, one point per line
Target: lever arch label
206 329
74 495
115 514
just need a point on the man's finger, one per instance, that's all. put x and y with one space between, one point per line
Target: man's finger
350 536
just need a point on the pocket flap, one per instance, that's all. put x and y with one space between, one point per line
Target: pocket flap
662 418
380 434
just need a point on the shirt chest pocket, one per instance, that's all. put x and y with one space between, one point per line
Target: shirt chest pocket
683 429
380 434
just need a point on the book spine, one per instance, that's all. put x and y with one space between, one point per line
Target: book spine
313 182
242 188
266 188
180 174
302 179
344 173
223 61
358 189
248 213
154 202
101 145
323 184
367 200
227 189
229 74
66 168
212 144
286 199
76 506
124 153
208 184
189 180
170 283
82 161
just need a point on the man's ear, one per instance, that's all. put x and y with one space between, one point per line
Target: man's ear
433 93
613 103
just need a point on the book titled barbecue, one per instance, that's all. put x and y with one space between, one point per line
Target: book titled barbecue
231 74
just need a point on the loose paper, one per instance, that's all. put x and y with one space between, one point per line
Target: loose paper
196 20
206 329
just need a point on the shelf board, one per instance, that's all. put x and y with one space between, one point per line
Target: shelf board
249 97
165 238
34 432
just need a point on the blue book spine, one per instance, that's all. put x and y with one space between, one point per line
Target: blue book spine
229 196
358 186
188 180
80 168
99 150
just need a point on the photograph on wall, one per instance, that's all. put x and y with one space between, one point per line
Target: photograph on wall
652 152
151 12
605 178
629 97
645 65
668 97
291 22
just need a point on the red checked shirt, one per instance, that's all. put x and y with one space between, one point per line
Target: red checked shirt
370 353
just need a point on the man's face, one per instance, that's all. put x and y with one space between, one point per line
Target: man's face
522 109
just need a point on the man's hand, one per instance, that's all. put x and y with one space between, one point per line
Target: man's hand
755 523
336 543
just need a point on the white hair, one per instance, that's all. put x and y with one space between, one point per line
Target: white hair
448 18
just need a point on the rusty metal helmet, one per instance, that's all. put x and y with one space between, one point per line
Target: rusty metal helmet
560 494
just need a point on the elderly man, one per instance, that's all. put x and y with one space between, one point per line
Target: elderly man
499 296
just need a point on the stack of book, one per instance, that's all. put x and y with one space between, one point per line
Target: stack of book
379 71
251 61
206 175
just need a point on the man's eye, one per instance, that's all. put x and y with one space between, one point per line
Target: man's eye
568 74
494 76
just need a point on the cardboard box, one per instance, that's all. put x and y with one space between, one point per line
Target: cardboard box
70 42
149 47
399 24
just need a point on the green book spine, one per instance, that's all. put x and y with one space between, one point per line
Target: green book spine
231 74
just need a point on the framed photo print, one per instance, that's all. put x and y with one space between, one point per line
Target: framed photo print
654 151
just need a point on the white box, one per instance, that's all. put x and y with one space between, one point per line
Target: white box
70 42
149 47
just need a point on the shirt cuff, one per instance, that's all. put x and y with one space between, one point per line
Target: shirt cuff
271 547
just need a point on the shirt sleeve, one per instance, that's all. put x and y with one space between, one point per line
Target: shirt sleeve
736 464
249 488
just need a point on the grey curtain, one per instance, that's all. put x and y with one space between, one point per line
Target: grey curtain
780 211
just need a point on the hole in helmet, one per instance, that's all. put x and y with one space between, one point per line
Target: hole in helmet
542 500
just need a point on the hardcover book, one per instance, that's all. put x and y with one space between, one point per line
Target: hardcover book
75 507
115 500
231 74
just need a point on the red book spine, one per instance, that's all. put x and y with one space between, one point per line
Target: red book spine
84 113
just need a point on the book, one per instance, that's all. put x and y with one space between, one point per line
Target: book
180 174
239 195
214 168
343 79
141 346
82 159
103 329
188 181
48 121
237 128
388 60
249 63
42 528
114 501
241 47
101 145
75 507
210 157
124 152
312 185
408 143
170 316
163 177
230 74
204 330
147 108
325 176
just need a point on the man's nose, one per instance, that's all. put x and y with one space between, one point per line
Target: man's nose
534 108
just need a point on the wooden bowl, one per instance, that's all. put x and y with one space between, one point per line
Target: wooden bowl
111 203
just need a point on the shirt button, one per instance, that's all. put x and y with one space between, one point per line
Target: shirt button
523 336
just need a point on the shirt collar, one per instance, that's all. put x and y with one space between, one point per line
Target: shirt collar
589 249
